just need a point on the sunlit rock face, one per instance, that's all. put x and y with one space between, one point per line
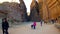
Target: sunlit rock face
14 11
34 15
54 11
40 2
50 9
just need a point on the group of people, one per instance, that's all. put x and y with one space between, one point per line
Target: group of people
5 25
34 25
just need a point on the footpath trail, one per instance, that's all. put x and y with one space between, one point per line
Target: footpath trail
26 29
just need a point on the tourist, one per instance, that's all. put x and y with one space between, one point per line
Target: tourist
33 25
52 21
5 26
41 22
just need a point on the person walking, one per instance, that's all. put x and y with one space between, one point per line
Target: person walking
5 26
41 23
34 25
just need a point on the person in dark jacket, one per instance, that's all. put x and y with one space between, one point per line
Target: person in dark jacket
5 26
41 23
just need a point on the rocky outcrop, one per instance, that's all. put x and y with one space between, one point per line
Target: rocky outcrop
14 11
40 2
23 10
34 8
51 10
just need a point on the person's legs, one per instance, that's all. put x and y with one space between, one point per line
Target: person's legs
3 30
6 31
34 27
41 24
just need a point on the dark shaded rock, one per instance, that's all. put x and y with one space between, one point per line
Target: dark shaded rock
34 8
14 11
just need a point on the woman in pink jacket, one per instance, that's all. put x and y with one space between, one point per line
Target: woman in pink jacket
34 25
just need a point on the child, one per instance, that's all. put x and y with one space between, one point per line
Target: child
34 25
